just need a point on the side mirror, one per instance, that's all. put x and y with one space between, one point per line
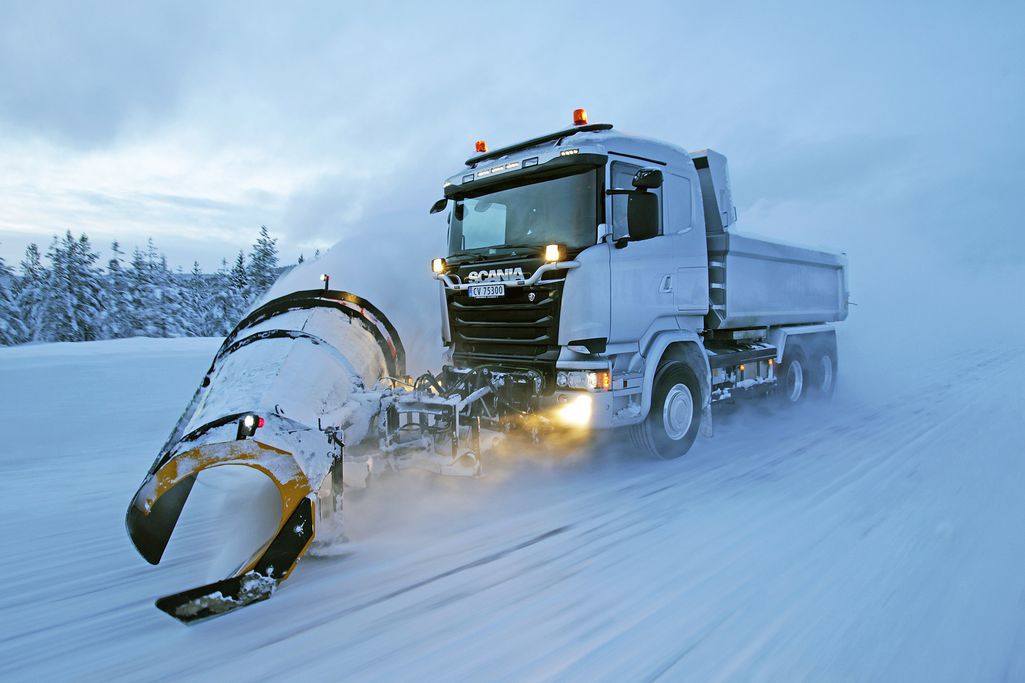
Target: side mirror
439 205
648 179
642 214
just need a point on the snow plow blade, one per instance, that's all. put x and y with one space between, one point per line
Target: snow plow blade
217 598
291 384
255 585
165 493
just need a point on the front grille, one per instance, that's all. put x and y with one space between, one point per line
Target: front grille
510 331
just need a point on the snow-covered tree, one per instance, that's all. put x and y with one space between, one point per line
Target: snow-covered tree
195 296
155 295
238 277
31 292
117 319
172 303
263 264
139 295
73 308
11 329
238 290
224 307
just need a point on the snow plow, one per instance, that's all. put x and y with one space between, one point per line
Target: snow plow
295 381
593 281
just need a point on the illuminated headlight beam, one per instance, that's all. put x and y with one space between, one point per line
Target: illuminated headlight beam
576 413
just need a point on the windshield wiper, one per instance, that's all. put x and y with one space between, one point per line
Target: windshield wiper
513 247
468 257
485 252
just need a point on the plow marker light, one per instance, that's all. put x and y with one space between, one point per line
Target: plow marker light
248 425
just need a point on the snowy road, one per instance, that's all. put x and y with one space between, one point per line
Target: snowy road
879 538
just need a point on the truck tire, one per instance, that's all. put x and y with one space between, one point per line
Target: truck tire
675 416
793 379
823 372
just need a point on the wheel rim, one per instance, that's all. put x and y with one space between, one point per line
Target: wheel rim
678 412
827 374
795 381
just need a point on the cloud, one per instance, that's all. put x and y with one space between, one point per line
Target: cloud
198 122
79 72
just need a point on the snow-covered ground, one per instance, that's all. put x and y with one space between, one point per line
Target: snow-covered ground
879 538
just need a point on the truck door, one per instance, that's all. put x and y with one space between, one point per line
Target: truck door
687 236
643 273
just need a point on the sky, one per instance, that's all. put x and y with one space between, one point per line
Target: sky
890 130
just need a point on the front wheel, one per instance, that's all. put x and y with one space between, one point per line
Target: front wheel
675 416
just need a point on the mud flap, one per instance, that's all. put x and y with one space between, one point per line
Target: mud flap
707 427
253 586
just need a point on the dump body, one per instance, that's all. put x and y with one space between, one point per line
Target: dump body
756 282
759 282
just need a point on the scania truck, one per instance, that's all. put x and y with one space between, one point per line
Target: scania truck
601 277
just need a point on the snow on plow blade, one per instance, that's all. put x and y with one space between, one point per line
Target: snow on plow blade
291 384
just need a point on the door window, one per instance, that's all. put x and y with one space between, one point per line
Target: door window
680 206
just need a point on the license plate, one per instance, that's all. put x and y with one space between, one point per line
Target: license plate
487 291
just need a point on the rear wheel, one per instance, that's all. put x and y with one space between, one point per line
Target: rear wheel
675 417
824 375
793 376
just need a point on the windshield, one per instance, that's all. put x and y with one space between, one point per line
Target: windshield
554 211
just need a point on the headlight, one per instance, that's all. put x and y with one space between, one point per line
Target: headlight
589 380
576 413
439 265
555 253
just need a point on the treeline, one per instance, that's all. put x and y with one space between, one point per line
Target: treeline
65 294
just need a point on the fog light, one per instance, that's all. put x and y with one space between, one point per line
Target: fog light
561 379
576 413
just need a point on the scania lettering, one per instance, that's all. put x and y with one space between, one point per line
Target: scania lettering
501 274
